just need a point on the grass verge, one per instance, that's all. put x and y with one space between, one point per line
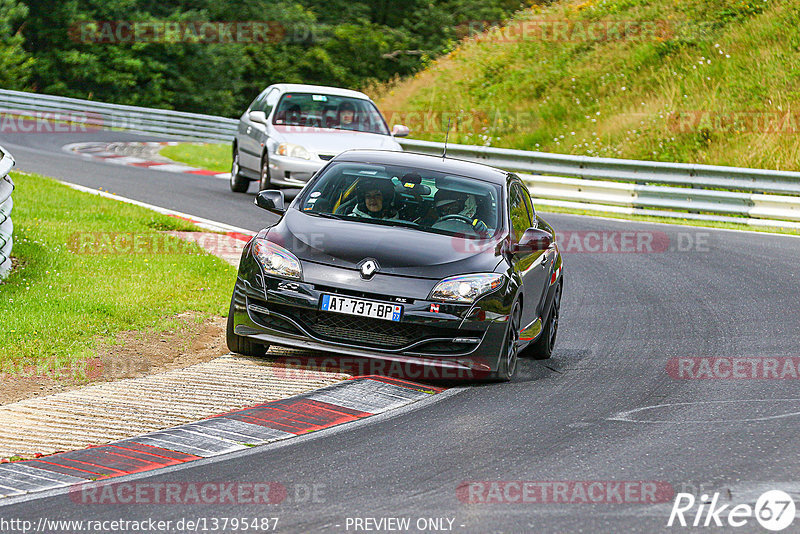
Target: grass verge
210 156
715 82
62 300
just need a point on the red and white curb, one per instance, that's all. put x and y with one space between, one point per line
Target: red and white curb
344 402
119 154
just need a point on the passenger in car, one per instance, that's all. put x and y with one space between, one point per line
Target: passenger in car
376 200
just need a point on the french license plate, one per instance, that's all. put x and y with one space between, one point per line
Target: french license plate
362 308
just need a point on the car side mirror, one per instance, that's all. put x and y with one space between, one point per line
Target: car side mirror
258 116
271 200
398 130
533 240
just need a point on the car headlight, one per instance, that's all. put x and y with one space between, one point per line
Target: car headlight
293 151
466 288
276 260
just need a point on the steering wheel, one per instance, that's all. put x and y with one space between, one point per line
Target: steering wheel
455 217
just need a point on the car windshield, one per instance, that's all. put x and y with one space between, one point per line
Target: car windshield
329 111
393 195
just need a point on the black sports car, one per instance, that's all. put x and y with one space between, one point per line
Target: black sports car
403 257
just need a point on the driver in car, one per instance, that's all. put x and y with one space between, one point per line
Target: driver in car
450 205
347 116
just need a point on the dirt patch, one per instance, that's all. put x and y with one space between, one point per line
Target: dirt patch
133 354
15 266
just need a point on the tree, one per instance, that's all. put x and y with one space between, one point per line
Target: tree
15 62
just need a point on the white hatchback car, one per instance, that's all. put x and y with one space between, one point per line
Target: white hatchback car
291 130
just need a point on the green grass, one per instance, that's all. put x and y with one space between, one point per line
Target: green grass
60 303
210 156
623 97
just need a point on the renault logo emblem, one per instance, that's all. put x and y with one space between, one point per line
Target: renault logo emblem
369 268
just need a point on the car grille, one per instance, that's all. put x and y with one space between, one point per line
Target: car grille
270 321
364 331
445 347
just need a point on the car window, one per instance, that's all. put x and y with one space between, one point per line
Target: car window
259 100
329 111
520 217
526 197
395 195
270 101
265 101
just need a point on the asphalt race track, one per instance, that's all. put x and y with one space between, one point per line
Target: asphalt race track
607 407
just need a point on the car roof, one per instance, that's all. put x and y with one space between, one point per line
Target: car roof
426 161
333 91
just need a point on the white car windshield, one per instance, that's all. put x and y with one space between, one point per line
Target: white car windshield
394 195
329 111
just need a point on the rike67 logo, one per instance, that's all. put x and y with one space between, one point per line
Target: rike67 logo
774 510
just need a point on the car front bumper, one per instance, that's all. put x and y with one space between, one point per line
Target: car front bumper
292 172
461 341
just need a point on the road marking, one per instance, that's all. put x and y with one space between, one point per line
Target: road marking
627 416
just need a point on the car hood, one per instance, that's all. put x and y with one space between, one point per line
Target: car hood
398 251
326 141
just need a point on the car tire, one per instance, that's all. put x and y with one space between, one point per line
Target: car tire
239 183
507 365
542 348
240 344
265 182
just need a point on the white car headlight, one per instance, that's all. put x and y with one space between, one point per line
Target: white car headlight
293 151
276 260
466 288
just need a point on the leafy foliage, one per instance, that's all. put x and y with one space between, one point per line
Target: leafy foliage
15 63
348 43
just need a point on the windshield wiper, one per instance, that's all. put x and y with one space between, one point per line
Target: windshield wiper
383 222
387 222
325 215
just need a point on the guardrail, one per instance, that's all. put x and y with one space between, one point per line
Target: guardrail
700 192
6 205
676 190
114 116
